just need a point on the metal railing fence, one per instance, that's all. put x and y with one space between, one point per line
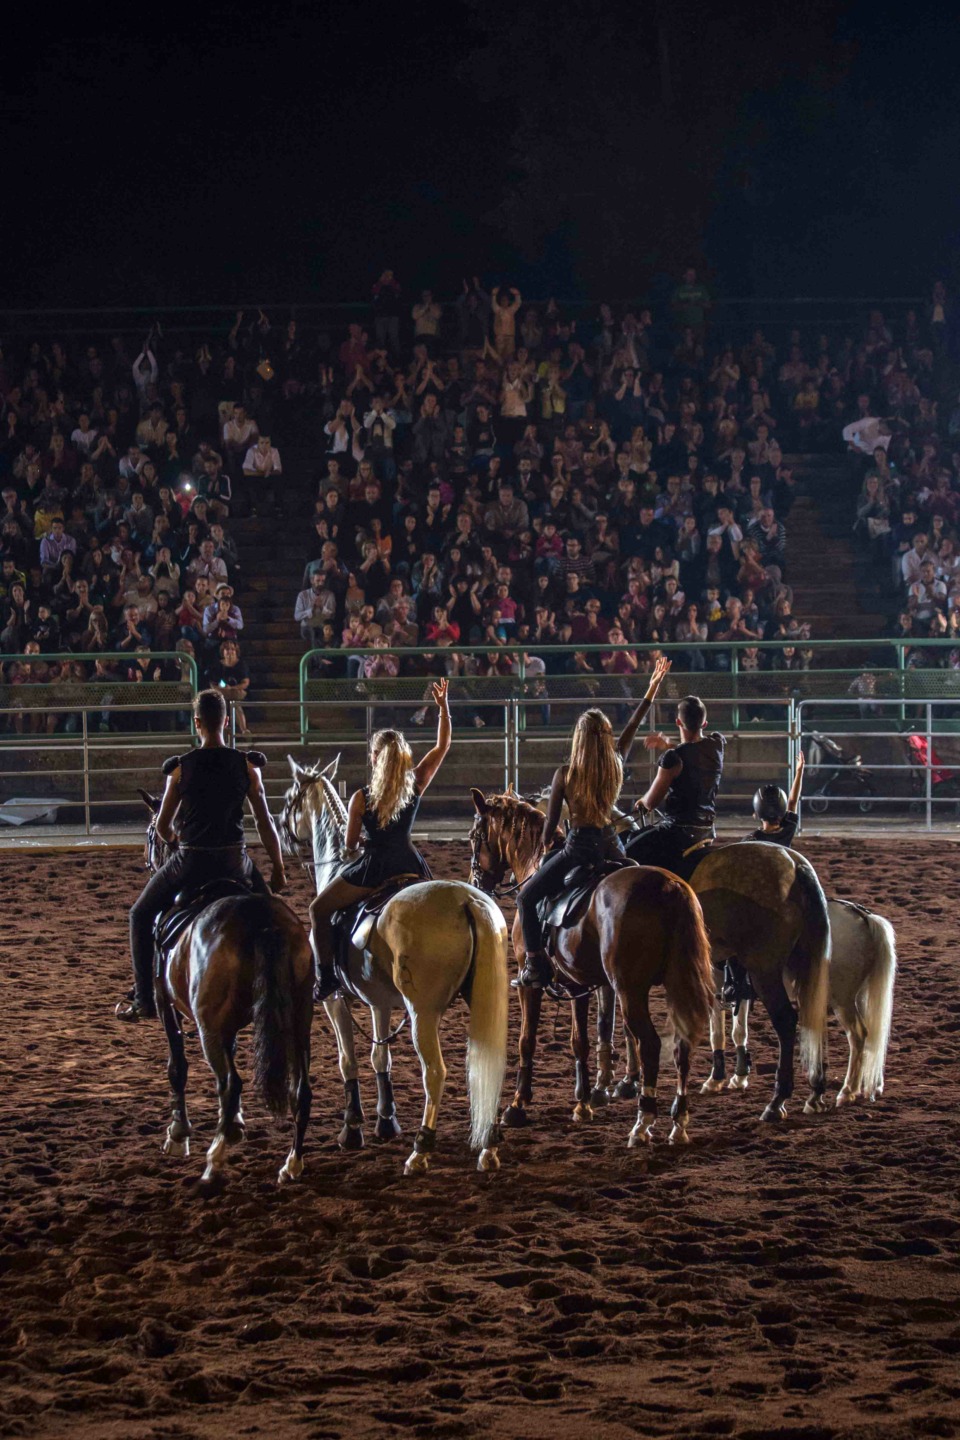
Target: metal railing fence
111 691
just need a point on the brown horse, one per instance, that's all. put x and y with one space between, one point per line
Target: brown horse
243 959
643 927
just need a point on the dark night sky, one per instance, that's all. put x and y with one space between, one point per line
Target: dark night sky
224 152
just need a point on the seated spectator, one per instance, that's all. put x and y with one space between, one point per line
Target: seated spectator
230 674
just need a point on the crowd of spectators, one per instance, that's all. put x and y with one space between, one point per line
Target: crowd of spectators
904 445
116 477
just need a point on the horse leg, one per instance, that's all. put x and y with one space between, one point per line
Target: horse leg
718 1038
388 1126
351 1136
177 1143
530 1005
680 1110
628 1087
219 1053
580 1046
856 1034
636 1020
740 1079
426 1040
301 1096
606 1013
783 1017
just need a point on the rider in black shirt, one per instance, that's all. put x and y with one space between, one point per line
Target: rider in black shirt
777 812
685 789
206 790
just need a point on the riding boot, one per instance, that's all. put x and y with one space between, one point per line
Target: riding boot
328 981
734 983
537 971
136 1009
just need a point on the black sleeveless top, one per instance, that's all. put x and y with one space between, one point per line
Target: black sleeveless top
691 799
213 787
388 850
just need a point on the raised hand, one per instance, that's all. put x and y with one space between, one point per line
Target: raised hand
440 693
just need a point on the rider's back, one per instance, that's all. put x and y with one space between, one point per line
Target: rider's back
691 799
214 782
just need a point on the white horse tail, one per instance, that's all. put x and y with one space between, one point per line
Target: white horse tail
809 968
875 1002
487 1039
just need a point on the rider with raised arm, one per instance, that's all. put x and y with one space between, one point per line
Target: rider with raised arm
590 783
777 812
685 789
385 811
205 790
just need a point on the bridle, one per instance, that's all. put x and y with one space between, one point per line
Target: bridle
290 817
156 852
486 880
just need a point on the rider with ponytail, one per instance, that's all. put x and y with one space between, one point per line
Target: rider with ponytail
384 813
590 784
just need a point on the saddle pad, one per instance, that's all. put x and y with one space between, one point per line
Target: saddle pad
187 906
356 924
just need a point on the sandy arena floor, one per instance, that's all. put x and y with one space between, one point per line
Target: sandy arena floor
801 1282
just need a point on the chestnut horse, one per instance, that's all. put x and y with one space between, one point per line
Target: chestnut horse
643 927
244 959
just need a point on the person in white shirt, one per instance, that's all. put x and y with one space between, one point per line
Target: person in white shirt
261 464
911 562
316 606
84 438
239 433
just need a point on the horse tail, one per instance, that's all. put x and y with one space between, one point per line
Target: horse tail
688 978
875 1002
274 1022
808 967
487 1038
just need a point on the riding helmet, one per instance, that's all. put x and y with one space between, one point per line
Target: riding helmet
770 803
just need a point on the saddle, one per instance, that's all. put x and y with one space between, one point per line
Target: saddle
562 911
354 926
187 905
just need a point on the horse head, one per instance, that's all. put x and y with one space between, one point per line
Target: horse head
505 836
313 813
156 852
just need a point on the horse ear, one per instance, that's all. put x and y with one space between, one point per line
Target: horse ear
152 802
510 790
331 770
295 769
479 801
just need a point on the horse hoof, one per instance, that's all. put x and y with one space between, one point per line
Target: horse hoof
489 1160
815 1105
387 1128
738 1082
581 1113
212 1182
291 1169
711 1086
626 1089
641 1134
599 1097
515 1117
417 1164
679 1136
176 1149
774 1113
350 1138
846 1097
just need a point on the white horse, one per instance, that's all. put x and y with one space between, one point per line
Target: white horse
863 968
431 942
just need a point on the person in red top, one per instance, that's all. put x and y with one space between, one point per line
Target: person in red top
439 628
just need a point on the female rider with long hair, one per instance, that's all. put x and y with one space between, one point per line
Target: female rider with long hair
384 811
590 783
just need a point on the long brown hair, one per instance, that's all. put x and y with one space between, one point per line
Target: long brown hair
594 770
391 785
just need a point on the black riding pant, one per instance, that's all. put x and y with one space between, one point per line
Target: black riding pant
665 845
187 870
588 845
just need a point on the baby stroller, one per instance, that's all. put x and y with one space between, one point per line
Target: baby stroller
944 782
841 777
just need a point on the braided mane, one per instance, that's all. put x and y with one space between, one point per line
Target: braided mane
516 827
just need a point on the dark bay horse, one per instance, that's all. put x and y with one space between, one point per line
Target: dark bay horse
243 960
643 927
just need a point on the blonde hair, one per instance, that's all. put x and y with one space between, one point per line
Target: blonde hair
391 785
594 770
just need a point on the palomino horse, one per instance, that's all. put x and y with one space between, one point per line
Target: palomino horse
431 942
863 969
642 927
244 959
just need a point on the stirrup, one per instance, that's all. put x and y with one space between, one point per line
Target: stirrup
326 987
537 972
135 1010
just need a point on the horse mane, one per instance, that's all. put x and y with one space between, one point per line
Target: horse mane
519 826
